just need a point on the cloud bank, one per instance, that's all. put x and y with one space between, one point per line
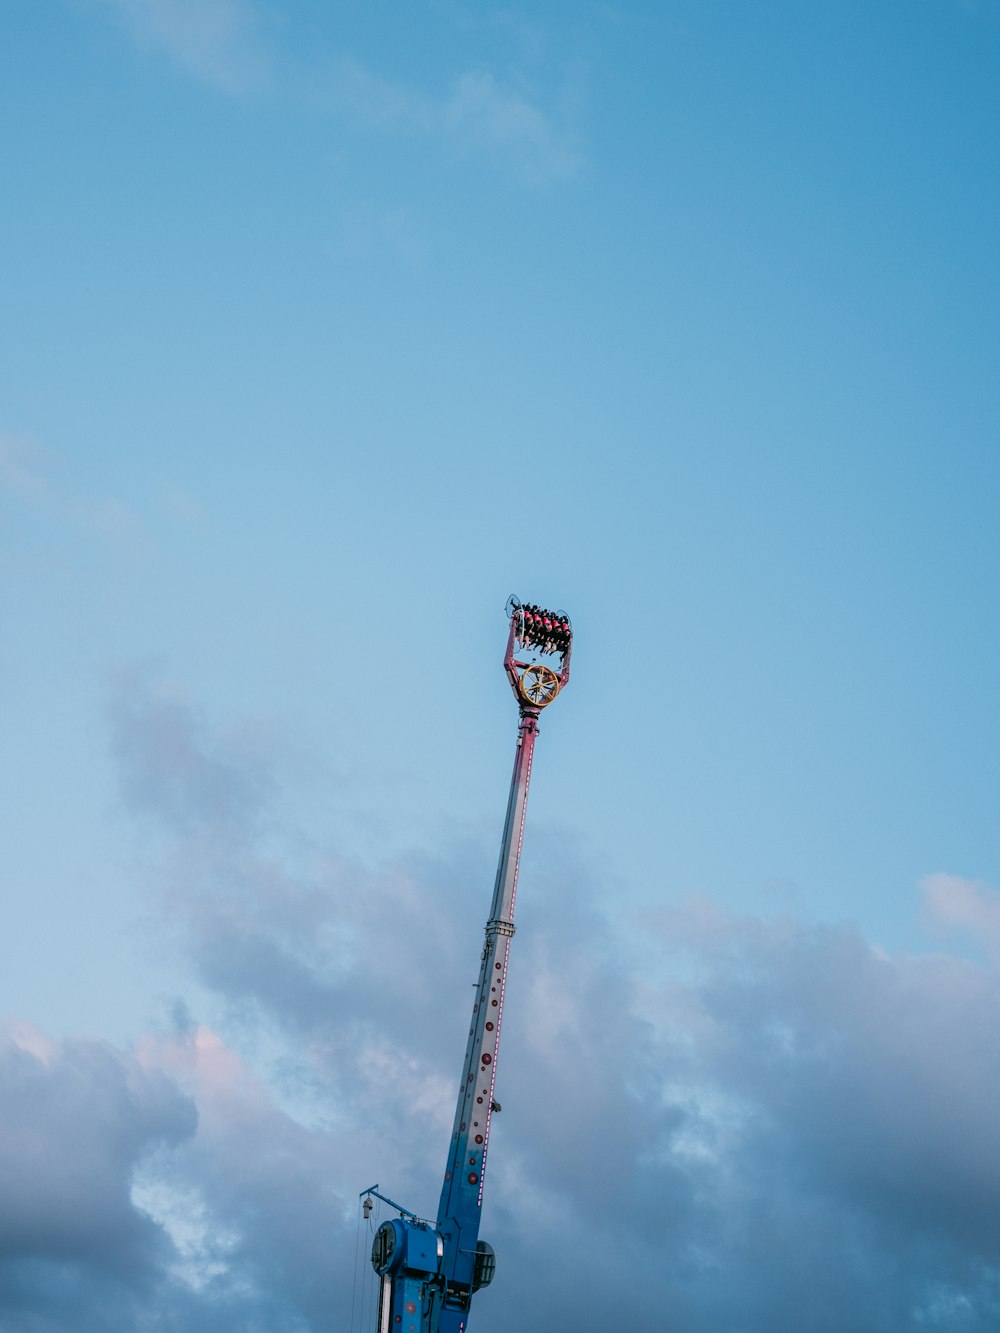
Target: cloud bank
710 1122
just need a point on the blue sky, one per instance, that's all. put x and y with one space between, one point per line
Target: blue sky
325 328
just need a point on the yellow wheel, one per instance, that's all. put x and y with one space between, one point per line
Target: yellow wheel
539 685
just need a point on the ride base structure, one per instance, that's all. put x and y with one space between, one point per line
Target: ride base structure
429 1271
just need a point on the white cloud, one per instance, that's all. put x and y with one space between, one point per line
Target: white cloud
203 1245
222 42
24 466
33 475
479 116
483 113
955 904
219 41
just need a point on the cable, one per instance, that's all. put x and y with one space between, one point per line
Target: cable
357 1248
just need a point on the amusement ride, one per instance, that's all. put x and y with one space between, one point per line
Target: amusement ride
428 1271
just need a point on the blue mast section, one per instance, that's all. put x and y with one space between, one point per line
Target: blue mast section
461 1202
429 1271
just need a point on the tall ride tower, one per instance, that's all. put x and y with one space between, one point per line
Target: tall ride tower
430 1270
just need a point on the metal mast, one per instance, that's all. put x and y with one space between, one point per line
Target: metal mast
430 1271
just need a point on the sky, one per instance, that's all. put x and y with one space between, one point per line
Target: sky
324 328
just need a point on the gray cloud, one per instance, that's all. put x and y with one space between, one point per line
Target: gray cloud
710 1122
252 1200
168 767
123 1206
839 1104
76 1119
879 1070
